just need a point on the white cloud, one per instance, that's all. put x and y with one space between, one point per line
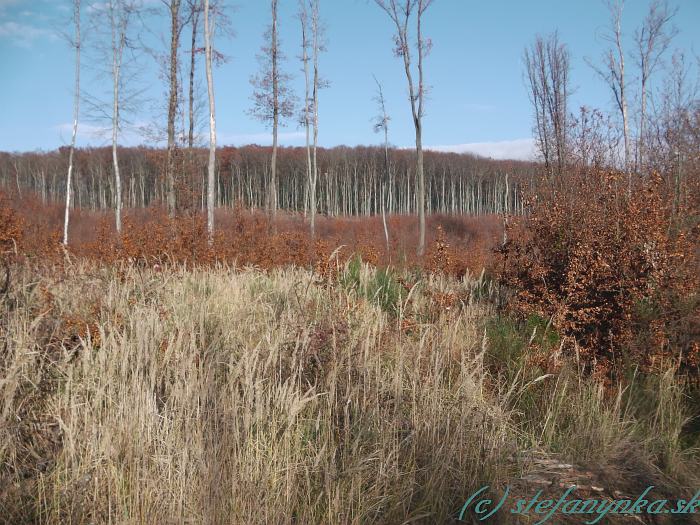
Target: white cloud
22 35
518 149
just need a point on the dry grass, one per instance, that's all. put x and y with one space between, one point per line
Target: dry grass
132 395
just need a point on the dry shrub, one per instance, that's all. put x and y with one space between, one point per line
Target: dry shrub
24 230
246 237
442 258
11 231
617 275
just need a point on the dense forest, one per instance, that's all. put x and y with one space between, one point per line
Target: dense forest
352 181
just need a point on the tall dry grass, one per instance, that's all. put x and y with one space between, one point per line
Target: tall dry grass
227 395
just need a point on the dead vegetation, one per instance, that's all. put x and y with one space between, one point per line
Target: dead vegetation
152 378
617 275
32 230
228 395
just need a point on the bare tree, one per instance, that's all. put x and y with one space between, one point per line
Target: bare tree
116 53
674 131
400 12
613 73
195 8
652 40
272 100
318 46
536 70
212 124
76 42
176 26
381 125
594 139
120 13
221 25
547 70
303 15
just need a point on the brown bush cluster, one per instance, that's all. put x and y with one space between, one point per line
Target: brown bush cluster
149 236
443 258
11 228
617 274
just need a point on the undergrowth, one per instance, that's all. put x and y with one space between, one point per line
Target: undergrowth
229 395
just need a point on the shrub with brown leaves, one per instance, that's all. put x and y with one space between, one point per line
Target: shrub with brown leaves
11 231
616 273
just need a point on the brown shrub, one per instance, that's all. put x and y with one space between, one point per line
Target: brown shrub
11 228
149 236
616 274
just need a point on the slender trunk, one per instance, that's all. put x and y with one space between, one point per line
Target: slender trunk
416 98
623 99
194 178
172 101
419 134
275 118
117 177
193 51
642 117
505 214
117 53
19 189
305 59
386 178
76 112
314 176
421 190
212 126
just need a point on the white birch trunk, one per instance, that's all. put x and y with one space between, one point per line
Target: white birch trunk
303 14
212 125
314 175
118 42
76 112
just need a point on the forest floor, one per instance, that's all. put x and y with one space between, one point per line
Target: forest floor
342 394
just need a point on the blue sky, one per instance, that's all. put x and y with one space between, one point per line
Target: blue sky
477 98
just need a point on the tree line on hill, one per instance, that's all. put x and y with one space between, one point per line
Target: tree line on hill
352 181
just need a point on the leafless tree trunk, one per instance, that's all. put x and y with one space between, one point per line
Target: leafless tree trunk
212 124
547 69
536 68
401 15
304 19
558 58
381 124
652 40
195 7
317 48
273 101
275 114
175 28
76 113
119 17
613 73
617 74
